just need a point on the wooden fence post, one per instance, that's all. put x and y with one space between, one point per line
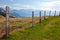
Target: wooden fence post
55 13
7 21
40 17
49 14
44 15
32 18
59 13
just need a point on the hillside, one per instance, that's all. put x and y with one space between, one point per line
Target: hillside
3 13
49 29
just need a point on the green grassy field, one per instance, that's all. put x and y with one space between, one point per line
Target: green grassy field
49 29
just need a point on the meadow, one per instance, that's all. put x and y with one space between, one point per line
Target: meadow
47 30
17 23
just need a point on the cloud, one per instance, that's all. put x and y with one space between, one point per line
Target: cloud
20 6
50 5
54 5
46 5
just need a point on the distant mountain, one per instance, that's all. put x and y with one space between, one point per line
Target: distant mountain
25 13
28 13
3 13
21 13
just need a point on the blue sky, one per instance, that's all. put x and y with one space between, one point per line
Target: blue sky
31 4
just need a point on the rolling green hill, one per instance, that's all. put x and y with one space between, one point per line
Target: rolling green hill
49 29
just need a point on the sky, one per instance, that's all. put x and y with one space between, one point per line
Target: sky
31 4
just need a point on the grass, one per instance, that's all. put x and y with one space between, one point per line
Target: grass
49 29
17 23
14 22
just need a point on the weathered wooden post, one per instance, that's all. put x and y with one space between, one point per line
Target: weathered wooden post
49 14
7 21
44 15
32 18
40 17
59 13
55 13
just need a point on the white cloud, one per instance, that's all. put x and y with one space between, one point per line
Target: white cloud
54 5
19 6
50 5
46 5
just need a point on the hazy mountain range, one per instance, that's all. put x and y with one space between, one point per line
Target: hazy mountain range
28 13
25 12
